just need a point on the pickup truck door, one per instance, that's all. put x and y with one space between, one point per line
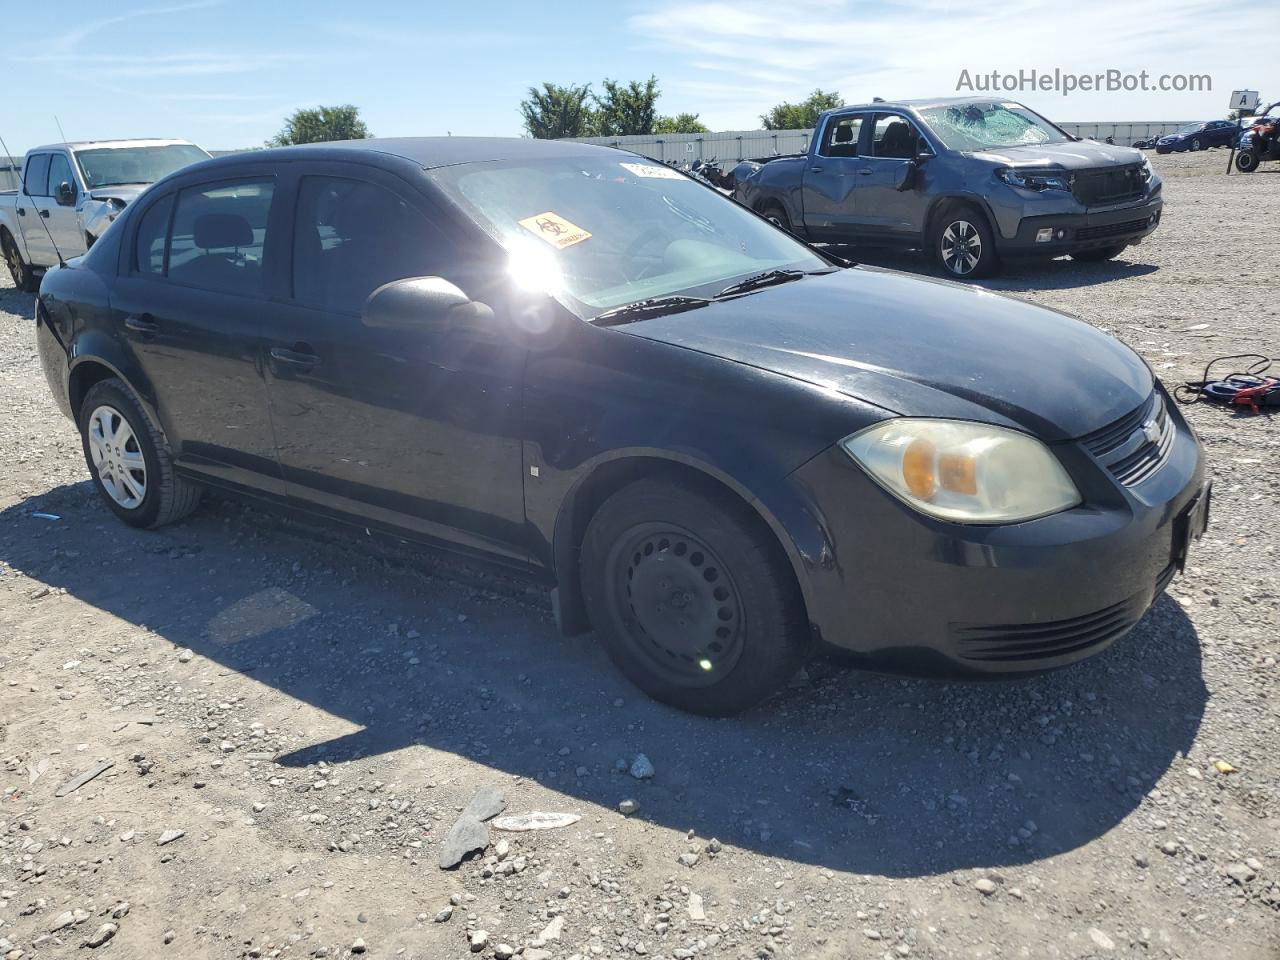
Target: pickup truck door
885 210
829 182
27 210
62 214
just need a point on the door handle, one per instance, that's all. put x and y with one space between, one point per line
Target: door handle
22 211
817 168
142 324
45 214
301 356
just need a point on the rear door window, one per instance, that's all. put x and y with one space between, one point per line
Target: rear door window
36 181
350 237
219 235
842 135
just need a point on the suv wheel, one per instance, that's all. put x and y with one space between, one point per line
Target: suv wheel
24 277
962 243
691 597
129 460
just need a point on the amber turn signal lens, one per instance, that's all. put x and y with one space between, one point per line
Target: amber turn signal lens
958 473
917 469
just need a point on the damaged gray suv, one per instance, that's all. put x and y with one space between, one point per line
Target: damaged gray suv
971 181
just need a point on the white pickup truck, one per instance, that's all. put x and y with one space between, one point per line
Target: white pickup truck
71 192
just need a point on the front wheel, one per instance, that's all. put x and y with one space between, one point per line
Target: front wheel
129 460
1099 253
24 277
1246 161
1197 144
775 214
692 597
962 242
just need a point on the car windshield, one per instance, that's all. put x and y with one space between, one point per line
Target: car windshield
111 166
1191 128
982 125
600 231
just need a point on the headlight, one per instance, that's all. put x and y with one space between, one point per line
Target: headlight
963 471
1035 179
1145 171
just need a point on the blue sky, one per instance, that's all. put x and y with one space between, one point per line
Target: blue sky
224 73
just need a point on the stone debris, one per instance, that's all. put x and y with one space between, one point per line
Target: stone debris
79 780
642 767
469 832
169 836
628 807
522 822
102 935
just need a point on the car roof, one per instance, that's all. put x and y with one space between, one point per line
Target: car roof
425 152
912 105
110 144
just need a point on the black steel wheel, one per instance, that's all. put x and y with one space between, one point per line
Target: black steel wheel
24 277
1246 161
692 597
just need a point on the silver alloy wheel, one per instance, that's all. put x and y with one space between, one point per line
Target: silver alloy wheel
117 457
961 247
1196 144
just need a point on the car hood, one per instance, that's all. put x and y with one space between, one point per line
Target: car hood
128 192
923 348
1077 155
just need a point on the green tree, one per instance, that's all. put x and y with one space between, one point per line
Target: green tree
556 111
624 111
680 123
803 115
320 125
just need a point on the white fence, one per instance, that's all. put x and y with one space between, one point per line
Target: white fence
737 145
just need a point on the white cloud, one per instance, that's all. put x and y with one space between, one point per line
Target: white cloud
771 51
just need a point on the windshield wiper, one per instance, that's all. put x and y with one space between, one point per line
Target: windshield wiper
766 279
653 307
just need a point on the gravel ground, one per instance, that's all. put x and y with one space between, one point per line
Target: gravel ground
294 721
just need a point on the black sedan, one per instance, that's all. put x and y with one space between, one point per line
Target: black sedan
1200 136
716 446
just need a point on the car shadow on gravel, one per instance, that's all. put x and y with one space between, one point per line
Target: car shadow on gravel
849 770
1014 276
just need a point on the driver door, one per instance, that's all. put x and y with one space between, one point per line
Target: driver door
63 217
408 428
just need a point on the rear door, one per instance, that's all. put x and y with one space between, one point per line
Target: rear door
29 210
830 181
407 428
190 303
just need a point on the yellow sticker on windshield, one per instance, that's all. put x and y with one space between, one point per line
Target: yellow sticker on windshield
555 229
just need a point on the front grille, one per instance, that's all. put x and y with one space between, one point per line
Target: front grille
1112 229
1112 185
1137 445
1051 638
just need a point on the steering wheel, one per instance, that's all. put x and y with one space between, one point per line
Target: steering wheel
646 238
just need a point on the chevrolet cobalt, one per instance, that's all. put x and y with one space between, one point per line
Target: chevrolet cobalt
715 445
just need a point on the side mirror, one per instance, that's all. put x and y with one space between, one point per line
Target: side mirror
66 194
427 304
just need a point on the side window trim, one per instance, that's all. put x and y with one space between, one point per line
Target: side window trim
229 179
870 155
832 122
135 266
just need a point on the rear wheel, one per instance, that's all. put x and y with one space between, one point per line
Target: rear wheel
962 243
1099 253
775 214
1246 161
692 598
24 277
129 459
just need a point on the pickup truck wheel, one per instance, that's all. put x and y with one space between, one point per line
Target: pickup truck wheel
129 459
691 597
1099 253
24 277
962 243
775 214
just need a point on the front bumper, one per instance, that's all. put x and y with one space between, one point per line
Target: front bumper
1074 232
935 596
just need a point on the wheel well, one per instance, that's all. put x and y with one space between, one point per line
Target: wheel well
604 482
84 376
943 204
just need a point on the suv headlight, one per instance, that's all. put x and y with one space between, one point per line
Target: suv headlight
1145 171
1038 180
964 471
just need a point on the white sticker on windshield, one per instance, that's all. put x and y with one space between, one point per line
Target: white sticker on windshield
652 172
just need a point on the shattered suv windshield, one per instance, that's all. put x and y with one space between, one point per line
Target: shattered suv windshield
982 125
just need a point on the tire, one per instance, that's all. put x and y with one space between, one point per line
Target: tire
24 278
1099 253
692 597
1246 161
112 420
961 242
775 214
1197 145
